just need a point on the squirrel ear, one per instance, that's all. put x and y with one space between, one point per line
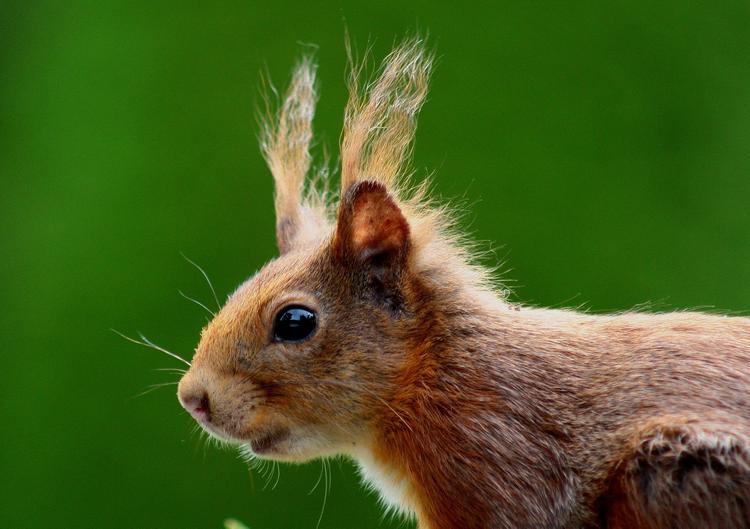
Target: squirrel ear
371 230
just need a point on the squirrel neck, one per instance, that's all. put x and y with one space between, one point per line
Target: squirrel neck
461 418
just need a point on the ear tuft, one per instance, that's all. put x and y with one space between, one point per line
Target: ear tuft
301 215
371 227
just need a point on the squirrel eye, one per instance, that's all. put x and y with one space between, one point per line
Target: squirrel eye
294 323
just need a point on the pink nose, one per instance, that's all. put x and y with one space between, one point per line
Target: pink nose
198 405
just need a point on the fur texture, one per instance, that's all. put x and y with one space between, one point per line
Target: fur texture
461 408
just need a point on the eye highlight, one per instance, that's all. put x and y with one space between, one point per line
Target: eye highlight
294 324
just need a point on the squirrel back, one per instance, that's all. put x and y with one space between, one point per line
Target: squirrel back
374 335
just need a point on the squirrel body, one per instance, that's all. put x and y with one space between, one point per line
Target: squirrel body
373 335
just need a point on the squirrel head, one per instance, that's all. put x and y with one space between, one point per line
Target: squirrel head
305 355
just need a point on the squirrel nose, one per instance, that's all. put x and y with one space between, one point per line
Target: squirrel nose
197 403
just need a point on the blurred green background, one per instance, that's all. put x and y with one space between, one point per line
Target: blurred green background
603 146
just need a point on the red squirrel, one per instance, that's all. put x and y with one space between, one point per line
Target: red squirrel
375 335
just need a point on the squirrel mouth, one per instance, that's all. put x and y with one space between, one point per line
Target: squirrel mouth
266 442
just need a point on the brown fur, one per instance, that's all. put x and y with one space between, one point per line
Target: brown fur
460 407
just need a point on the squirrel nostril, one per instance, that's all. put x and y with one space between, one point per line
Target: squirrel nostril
198 405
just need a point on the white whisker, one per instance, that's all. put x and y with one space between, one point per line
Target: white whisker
153 387
320 477
326 487
174 370
145 342
212 313
205 275
278 474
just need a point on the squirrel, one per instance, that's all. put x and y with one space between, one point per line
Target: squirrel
375 335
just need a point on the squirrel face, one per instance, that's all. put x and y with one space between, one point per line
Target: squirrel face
293 390
292 385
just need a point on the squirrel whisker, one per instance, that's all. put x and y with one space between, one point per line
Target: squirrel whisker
326 488
205 275
154 387
145 342
175 370
212 313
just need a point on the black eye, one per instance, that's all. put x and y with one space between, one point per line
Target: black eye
294 323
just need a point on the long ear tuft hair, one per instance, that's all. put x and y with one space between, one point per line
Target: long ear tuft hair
286 135
379 125
381 116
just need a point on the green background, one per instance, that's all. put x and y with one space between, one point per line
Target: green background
602 146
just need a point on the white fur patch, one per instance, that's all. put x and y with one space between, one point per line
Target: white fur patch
391 485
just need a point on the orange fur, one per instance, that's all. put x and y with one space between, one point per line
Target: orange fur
461 408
